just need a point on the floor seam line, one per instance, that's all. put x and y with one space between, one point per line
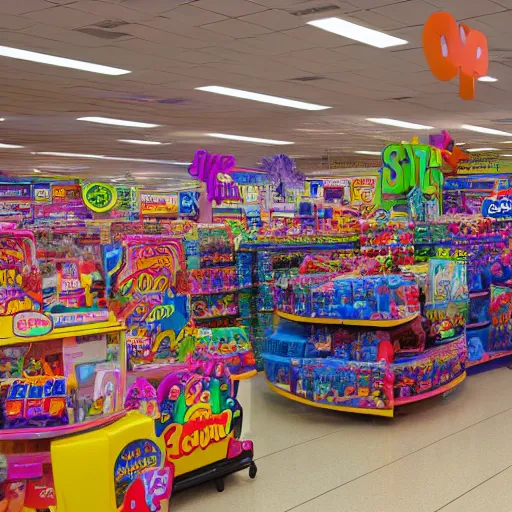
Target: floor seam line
399 459
298 444
473 488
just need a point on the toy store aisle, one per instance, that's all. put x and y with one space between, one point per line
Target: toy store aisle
452 454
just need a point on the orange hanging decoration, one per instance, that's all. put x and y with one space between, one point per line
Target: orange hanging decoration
451 49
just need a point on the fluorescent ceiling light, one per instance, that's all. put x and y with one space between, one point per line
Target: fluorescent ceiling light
249 139
487 79
320 132
264 98
2 119
399 124
368 152
114 158
357 32
42 58
481 129
506 155
474 150
10 146
117 122
506 142
37 171
142 142
460 143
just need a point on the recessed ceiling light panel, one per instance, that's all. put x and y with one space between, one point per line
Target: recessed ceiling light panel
399 124
117 122
114 158
141 142
10 146
482 129
263 98
256 140
357 32
42 58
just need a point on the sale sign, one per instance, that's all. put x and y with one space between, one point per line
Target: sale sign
157 203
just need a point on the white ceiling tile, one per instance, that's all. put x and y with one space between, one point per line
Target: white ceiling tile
337 8
23 6
8 22
236 28
320 55
260 69
109 11
306 66
194 16
71 37
151 6
412 12
464 9
277 4
232 8
386 59
411 34
276 43
145 47
504 3
225 53
414 55
64 17
500 21
274 19
168 40
372 19
180 28
196 57
153 77
371 4
316 37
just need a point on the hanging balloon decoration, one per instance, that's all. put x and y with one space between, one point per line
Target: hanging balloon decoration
453 49
283 174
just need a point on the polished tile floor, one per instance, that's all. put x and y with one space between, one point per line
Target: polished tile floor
450 454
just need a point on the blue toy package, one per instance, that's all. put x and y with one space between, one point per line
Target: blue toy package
478 343
244 264
277 370
383 298
264 267
319 342
343 298
288 340
479 309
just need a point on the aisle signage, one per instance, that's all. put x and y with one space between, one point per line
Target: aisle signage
15 191
99 197
158 203
498 205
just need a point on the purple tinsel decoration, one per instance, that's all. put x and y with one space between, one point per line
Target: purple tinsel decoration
282 171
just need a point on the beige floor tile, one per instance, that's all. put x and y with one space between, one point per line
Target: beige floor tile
304 452
493 495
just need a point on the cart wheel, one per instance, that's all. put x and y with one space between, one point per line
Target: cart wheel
446 394
253 470
219 484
